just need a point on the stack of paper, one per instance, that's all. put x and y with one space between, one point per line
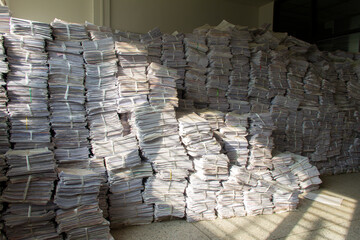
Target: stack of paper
173 56
4 138
30 221
277 72
197 61
297 68
186 104
162 82
27 92
212 167
77 197
67 93
219 56
214 117
257 203
4 19
98 32
260 141
23 27
132 83
153 41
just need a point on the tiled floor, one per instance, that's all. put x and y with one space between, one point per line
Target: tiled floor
313 220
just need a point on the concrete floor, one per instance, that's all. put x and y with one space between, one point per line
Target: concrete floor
312 220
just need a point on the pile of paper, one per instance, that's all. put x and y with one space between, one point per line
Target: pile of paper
162 82
76 195
297 68
23 27
277 72
234 138
186 104
132 83
260 141
27 92
214 117
239 76
197 62
67 94
30 221
153 41
173 56
217 79
98 32
4 137
4 19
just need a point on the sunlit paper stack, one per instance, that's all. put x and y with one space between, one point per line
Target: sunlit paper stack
197 62
212 167
258 203
218 71
162 81
4 19
310 129
27 92
23 27
126 202
132 83
27 221
168 197
31 174
98 32
277 72
201 199
260 141
235 144
4 138
173 56
214 117
153 41
67 93
297 68
77 197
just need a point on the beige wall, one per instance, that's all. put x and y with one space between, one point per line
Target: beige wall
266 13
180 15
46 10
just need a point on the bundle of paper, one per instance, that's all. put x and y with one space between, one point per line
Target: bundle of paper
72 155
215 118
4 19
128 104
285 201
195 87
186 105
24 27
82 221
40 230
140 171
258 203
212 167
65 31
105 126
236 148
201 199
139 214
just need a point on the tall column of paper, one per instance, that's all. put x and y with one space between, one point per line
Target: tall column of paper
211 167
239 76
32 166
173 56
157 131
153 41
79 200
218 72
197 61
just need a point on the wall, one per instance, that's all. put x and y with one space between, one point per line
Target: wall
180 15
266 13
46 10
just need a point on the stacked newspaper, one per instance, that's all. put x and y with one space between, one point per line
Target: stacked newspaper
214 117
27 91
157 131
197 62
162 81
98 32
4 19
234 138
277 71
310 129
260 141
218 72
132 83
23 27
153 41
67 94
4 137
31 183
186 104
173 56
239 76
79 215
296 69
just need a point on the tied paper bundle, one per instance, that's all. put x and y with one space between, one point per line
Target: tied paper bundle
201 199
99 51
30 221
132 82
310 129
215 118
260 141
168 197
236 146
4 138
258 203
312 87
27 92
212 167
186 104
219 56
277 72
197 61
197 136
65 31
153 41
24 27
162 85
4 19
173 55
296 71
126 195
31 174
125 36
83 222
98 32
